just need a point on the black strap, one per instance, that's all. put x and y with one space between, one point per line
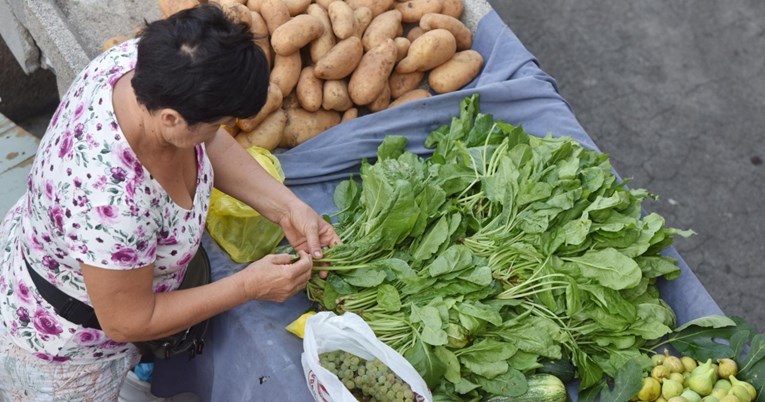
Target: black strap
66 306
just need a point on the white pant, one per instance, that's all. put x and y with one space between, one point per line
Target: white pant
27 378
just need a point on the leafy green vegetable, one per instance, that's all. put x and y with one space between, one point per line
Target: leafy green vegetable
497 251
627 383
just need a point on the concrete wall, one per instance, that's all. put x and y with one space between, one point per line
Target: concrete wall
64 35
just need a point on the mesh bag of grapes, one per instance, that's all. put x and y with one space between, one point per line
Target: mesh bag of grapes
343 361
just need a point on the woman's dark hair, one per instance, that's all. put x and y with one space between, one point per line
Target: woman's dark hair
201 64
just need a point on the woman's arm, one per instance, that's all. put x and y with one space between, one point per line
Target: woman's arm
240 176
129 311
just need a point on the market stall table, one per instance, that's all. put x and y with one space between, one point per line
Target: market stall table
249 356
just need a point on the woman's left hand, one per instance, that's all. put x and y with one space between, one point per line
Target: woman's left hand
306 230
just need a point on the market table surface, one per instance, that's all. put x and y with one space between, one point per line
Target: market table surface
249 356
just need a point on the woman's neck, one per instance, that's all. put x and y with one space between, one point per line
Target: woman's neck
138 126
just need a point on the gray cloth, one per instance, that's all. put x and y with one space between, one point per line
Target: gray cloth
249 355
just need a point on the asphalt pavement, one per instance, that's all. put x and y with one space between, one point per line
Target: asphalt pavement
674 92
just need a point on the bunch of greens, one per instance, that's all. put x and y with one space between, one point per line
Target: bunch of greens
500 253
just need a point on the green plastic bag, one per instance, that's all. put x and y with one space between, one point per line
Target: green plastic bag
237 228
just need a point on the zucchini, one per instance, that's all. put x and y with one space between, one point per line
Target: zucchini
542 388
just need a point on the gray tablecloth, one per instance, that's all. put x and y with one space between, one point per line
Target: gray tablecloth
249 355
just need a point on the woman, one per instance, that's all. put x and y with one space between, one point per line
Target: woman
116 205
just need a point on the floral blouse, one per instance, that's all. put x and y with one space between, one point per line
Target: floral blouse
89 200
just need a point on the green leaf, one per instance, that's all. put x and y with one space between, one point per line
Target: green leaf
455 258
589 372
434 238
755 375
591 394
432 333
755 354
536 335
708 321
388 298
699 338
446 356
480 276
487 369
481 311
627 383
392 147
608 267
364 277
422 358
511 383
654 267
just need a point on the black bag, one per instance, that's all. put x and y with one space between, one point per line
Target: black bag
191 340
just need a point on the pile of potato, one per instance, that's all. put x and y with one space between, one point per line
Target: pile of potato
333 60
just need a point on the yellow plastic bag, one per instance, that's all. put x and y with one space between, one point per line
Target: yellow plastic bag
297 327
240 230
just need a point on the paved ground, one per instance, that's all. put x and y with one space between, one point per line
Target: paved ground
675 93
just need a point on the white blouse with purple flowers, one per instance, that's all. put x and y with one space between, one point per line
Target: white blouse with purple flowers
89 200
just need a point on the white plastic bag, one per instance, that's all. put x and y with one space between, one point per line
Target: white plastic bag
326 332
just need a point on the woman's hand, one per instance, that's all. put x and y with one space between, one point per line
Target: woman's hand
276 277
306 230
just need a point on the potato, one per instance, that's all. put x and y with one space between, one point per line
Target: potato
431 49
371 76
309 90
254 5
402 47
409 96
291 36
336 96
341 60
258 26
273 102
452 8
461 33
414 33
170 7
457 72
303 125
382 101
413 10
286 72
325 3
267 134
403 83
237 12
376 6
341 17
275 13
321 45
350 114
113 41
362 16
297 7
259 29
383 27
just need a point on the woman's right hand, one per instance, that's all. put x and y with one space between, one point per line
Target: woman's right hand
276 277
